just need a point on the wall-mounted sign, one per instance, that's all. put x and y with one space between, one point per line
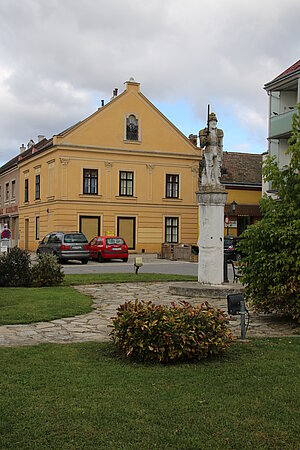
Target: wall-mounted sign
232 224
6 233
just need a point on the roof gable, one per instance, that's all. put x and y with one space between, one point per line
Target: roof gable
106 128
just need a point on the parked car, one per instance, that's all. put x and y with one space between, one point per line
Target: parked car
230 243
65 245
108 247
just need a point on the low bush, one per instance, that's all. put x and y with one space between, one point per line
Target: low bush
175 333
15 268
47 271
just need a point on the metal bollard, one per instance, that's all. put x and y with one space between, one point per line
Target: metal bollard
225 269
243 322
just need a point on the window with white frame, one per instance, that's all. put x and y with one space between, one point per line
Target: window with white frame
172 186
26 190
90 181
13 189
6 192
37 187
132 128
126 184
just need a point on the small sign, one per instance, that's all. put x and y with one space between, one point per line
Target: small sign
6 233
232 224
226 220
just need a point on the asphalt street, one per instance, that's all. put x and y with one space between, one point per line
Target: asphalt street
150 265
160 266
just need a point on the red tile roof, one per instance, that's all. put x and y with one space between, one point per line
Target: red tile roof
241 168
293 68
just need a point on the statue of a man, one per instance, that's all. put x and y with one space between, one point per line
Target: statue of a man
211 141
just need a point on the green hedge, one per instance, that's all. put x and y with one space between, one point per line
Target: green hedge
175 333
16 270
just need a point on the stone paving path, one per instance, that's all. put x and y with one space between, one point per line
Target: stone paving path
106 298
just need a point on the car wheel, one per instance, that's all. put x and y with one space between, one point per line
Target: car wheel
100 257
238 257
84 261
125 259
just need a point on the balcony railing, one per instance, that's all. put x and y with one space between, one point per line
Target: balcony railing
281 125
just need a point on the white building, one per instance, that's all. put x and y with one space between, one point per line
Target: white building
284 94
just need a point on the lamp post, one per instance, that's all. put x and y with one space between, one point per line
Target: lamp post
233 205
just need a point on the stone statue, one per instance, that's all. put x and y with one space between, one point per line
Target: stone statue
211 141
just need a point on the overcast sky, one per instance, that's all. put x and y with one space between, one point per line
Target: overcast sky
59 58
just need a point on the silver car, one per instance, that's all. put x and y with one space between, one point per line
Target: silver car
65 245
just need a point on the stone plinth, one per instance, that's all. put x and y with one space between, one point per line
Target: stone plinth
211 203
205 291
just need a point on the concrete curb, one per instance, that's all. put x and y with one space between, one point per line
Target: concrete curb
195 289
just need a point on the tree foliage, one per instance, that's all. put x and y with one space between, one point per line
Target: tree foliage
271 247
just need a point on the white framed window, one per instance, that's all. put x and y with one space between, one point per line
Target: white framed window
7 192
90 181
171 230
132 128
13 189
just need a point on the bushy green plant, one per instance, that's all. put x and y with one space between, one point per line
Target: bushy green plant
175 333
271 247
47 271
15 268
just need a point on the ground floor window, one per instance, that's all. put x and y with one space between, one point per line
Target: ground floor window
171 230
243 222
37 228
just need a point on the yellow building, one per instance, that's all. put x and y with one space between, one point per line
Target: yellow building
124 170
242 177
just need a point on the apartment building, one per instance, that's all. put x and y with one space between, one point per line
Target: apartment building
284 95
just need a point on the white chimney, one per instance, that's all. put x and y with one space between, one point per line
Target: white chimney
30 143
22 148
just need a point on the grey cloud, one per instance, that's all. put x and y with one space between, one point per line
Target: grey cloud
59 55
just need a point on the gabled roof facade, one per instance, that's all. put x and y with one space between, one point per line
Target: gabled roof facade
106 127
158 133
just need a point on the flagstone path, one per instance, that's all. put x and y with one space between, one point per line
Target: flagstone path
106 298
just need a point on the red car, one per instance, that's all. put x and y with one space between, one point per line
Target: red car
108 247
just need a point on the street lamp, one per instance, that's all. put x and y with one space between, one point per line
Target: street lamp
233 205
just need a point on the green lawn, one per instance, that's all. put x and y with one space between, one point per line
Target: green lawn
94 278
26 305
81 396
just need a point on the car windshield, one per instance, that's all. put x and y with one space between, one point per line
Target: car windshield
75 238
112 241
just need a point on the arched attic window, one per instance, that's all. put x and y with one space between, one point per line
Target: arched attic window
132 128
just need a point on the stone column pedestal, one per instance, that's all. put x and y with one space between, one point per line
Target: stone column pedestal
211 235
